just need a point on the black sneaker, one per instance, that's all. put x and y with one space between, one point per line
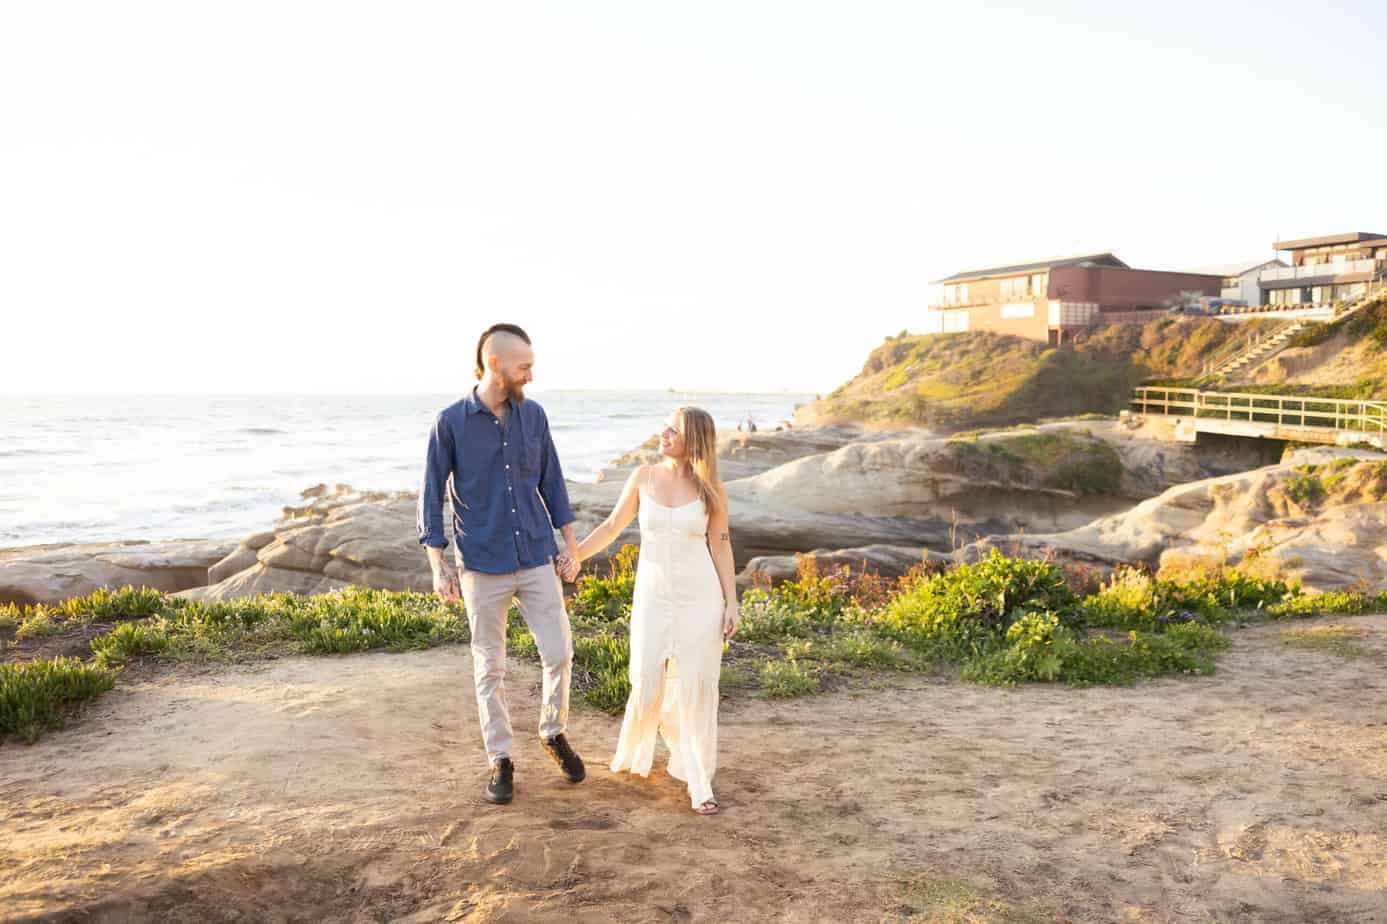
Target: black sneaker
571 764
501 789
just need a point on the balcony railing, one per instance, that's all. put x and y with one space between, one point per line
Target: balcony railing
1319 269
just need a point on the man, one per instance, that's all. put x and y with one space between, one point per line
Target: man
492 456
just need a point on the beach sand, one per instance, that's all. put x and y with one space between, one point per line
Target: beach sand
348 789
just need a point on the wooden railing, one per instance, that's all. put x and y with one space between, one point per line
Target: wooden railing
1276 412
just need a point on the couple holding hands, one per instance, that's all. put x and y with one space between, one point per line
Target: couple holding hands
491 455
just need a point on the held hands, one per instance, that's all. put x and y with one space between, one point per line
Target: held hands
445 584
568 568
731 619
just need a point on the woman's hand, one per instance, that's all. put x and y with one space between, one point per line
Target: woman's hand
731 619
567 567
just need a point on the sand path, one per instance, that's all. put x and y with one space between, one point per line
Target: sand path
346 789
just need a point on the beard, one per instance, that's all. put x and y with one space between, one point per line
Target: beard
515 390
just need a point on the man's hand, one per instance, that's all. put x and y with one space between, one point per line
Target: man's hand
731 619
445 583
567 567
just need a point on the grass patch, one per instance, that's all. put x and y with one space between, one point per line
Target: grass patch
38 625
952 901
35 696
127 640
786 679
953 382
1305 487
1063 459
1341 641
1000 620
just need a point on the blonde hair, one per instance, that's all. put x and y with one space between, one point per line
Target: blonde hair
701 452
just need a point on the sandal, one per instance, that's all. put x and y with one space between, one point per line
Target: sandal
708 808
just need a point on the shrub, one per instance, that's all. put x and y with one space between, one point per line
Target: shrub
1305 487
1127 599
1043 650
1133 600
126 641
34 695
125 603
967 610
609 596
39 625
602 660
1036 649
357 619
1336 602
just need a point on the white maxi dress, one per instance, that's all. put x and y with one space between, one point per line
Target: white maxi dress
676 649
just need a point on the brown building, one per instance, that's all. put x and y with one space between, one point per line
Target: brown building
1325 270
1049 300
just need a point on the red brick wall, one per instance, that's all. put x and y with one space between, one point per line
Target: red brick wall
1112 287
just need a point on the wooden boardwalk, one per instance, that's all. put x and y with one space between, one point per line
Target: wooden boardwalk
1280 417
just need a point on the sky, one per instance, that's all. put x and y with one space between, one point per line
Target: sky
338 196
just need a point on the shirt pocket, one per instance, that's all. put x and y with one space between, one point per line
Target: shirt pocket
530 454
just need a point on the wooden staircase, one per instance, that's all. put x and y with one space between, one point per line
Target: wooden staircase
1261 349
1257 351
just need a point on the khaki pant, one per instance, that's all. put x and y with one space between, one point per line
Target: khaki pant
540 596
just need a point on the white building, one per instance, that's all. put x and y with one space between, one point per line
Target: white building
1240 280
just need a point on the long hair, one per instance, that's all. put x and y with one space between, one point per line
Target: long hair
486 335
701 450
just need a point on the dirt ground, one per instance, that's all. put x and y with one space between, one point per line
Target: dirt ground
347 789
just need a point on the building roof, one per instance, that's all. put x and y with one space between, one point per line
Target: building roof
1350 237
1237 269
1105 258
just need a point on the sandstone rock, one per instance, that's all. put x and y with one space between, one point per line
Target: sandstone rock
1272 521
741 455
340 537
50 573
840 488
889 561
912 488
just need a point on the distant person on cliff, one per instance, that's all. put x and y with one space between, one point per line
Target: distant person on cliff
492 456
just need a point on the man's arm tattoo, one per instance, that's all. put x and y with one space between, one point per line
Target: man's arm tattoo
726 537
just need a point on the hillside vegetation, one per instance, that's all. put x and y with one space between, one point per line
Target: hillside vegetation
1342 359
952 382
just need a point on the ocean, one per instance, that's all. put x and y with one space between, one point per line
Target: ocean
102 468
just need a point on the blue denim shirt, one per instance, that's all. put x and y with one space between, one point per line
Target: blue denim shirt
504 482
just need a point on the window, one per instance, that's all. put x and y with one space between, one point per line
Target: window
1015 287
1018 310
1038 284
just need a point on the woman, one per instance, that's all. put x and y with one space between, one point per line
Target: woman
685 604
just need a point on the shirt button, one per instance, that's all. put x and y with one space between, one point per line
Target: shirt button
517 532
507 465
512 510
504 443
